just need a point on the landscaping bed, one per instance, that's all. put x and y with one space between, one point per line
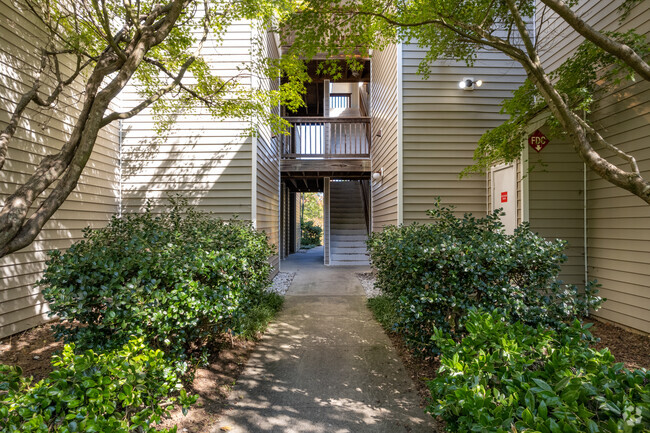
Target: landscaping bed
157 313
32 350
513 350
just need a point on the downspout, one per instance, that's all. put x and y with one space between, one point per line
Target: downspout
120 140
584 221
400 137
584 215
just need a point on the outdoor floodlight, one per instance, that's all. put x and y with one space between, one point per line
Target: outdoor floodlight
468 83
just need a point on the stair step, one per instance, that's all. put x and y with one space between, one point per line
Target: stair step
349 252
349 257
350 262
343 244
336 238
338 226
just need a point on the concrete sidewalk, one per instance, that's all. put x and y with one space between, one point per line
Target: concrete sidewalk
325 365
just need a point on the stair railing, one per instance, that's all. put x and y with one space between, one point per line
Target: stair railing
348 138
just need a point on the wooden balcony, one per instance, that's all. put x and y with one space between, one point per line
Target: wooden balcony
326 147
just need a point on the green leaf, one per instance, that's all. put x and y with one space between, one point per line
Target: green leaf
542 410
527 417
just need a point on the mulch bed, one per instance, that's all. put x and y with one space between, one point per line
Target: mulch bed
213 384
630 348
32 350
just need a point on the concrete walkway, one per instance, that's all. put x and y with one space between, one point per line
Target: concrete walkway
325 365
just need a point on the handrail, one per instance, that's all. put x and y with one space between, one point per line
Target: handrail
326 137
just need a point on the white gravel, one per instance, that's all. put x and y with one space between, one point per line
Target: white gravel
281 282
367 280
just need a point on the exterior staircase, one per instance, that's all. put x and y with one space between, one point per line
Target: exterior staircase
347 225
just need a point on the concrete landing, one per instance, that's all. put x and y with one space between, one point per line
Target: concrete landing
325 365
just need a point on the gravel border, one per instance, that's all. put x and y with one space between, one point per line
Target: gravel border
281 283
367 280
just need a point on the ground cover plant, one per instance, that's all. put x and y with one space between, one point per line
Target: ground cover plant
435 273
124 390
174 279
505 377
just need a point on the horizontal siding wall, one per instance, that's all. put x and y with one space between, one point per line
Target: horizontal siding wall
206 160
384 111
267 170
618 224
556 208
93 201
442 125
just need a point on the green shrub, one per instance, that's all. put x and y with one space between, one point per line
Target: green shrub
436 272
126 390
311 234
175 279
505 377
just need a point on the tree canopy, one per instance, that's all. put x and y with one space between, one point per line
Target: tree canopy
106 44
462 29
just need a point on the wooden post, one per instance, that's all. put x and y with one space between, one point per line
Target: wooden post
327 128
326 221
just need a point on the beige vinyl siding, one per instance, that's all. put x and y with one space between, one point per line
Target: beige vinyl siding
618 224
556 209
384 110
267 170
442 125
207 160
93 201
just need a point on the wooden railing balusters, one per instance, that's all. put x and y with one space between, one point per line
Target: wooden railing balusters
326 137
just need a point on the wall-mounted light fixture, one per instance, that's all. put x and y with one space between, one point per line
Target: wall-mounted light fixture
378 134
468 83
378 175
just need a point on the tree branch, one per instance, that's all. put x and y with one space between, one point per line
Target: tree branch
615 48
9 131
599 138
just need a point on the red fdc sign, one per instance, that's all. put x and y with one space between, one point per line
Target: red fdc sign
504 197
537 141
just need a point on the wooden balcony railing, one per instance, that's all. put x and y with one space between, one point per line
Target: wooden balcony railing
326 137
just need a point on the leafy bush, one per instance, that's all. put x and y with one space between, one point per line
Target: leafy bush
126 390
506 377
311 234
436 272
175 279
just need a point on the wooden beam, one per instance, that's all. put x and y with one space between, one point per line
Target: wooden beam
318 119
328 165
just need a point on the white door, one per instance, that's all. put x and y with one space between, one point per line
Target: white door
504 195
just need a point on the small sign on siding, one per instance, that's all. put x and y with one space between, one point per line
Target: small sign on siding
538 141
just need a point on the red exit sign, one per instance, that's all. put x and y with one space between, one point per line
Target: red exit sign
537 141
504 197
